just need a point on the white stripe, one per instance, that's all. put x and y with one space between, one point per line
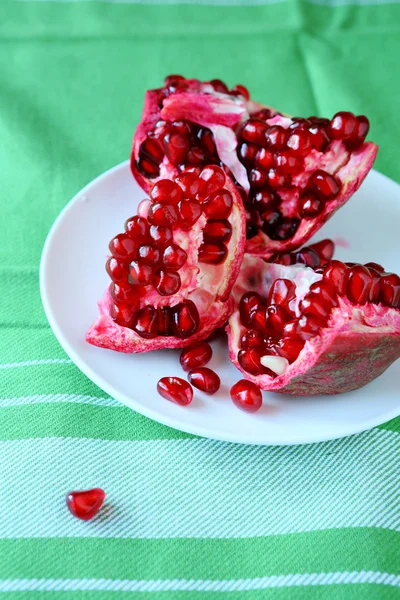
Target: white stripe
201 585
56 398
199 488
34 363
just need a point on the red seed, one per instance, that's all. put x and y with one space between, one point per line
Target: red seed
336 273
359 134
264 159
390 290
163 214
358 285
258 179
189 213
325 185
217 231
214 179
249 303
160 235
300 141
309 326
276 317
85 504
375 291
343 125
205 379
137 228
281 292
174 257
264 200
196 355
250 360
149 254
313 304
118 271
288 163
324 249
167 190
251 338
164 320
290 348
320 139
152 148
254 130
175 390
264 114
277 137
123 314
140 274
146 322
218 205
291 329
219 86
246 396
196 156
185 319
282 258
258 319
326 291
310 205
173 80
277 180
122 294
147 167
212 254
375 266
307 256
240 90
167 283
206 141
190 184
281 228
247 153
123 247
176 147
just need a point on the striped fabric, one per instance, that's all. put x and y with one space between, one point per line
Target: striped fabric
184 517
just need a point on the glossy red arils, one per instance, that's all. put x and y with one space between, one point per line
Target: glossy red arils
276 137
276 317
251 338
281 292
214 179
249 303
343 125
185 319
258 179
212 254
160 235
390 290
85 504
326 186
152 148
250 359
310 205
219 86
264 200
175 390
205 379
217 231
189 212
173 80
336 274
373 265
300 141
122 293
196 355
196 156
189 183
375 290
264 159
166 190
319 137
122 314
359 281
240 90
174 257
149 254
118 271
288 163
140 274
137 228
147 167
247 153
246 396
164 320
254 131
290 348
326 291
123 247
146 322
161 213
312 304
307 256
206 141
277 179
359 134
167 283
176 147
309 326
324 249
218 205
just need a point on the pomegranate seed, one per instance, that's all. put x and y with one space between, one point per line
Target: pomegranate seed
290 329
196 156
218 205
185 318
287 163
247 153
360 133
320 139
249 303
122 314
219 86
310 205
152 149
290 348
205 379
173 80
146 322
160 235
251 338
212 254
166 190
174 257
312 304
137 228
190 184
184 128
300 141
123 247
118 271
241 91
85 504
277 137
375 290
264 114
264 200
176 147
167 283
375 266
336 273
196 355
324 249
390 290
325 185
254 131
281 292
189 212
162 214
149 254
282 228
258 319
282 258
214 179
307 256
206 140
175 390
277 180
258 178
309 326
326 291
299 122
276 317
250 360
342 125
217 231
358 285
264 159
164 320
147 168
122 294
143 207
246 396
140 274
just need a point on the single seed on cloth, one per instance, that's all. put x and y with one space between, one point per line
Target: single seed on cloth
85 504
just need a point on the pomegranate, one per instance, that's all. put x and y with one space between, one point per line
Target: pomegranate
85 504
173 268
315 326
195 355
246 396
175 390
205 379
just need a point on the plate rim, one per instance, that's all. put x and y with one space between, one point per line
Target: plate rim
135 405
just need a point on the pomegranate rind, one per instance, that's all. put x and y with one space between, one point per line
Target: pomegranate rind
352 174
358 344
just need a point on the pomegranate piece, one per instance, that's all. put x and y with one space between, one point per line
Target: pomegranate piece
85 504
175 390
205 379
246 396
195 355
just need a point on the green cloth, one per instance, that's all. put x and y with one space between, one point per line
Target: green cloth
185 517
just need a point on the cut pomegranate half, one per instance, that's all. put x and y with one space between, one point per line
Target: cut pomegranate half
170 278
320 329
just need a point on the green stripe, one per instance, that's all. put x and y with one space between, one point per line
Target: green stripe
20 345
338 550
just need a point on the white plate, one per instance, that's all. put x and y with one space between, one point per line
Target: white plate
72 279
